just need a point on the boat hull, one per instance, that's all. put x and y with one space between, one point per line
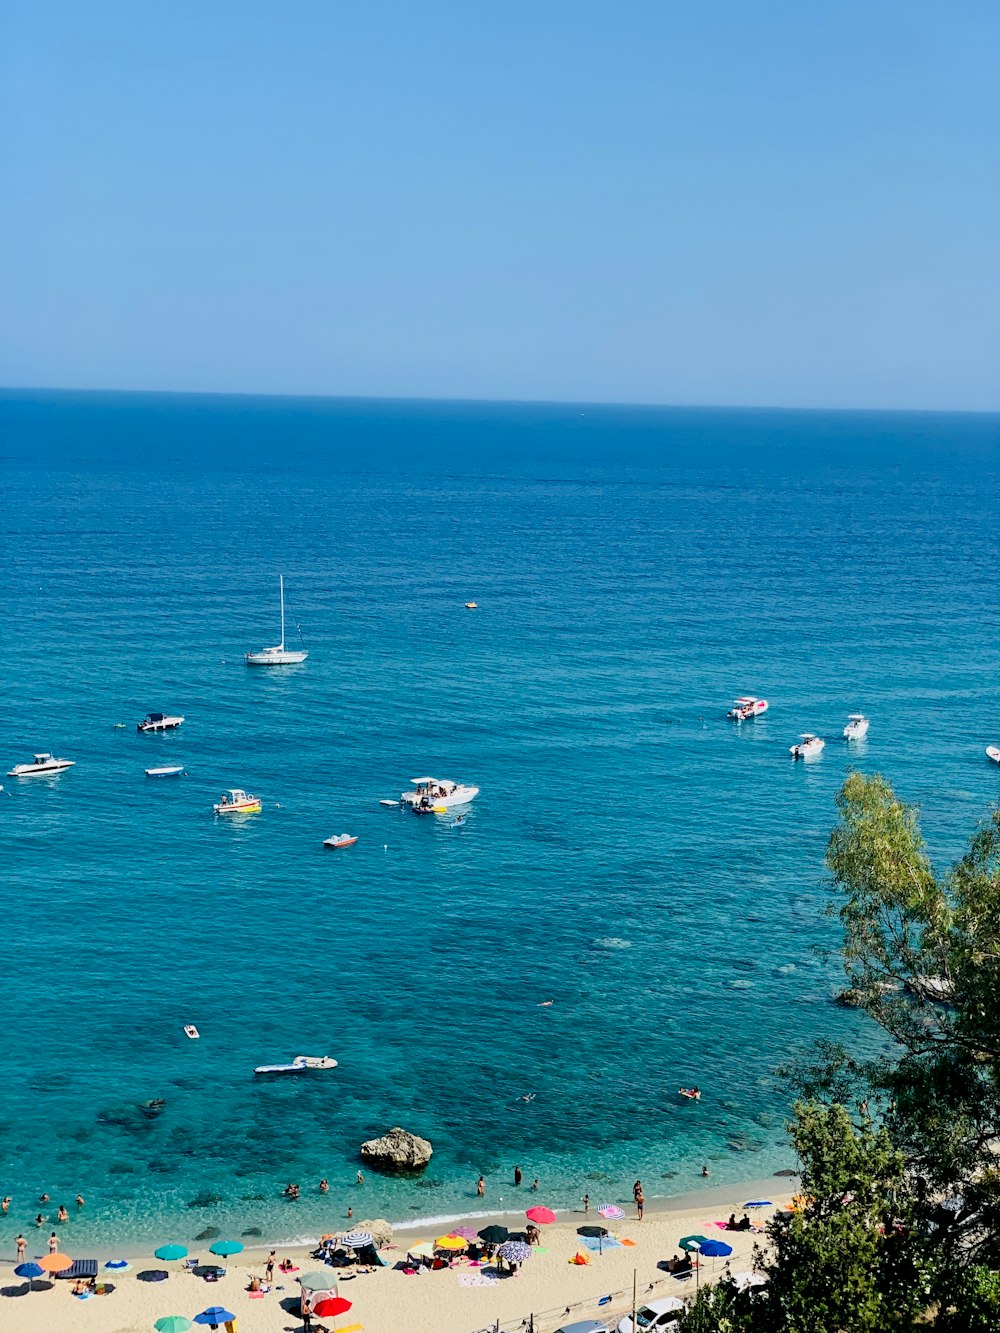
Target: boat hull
159 724
339 842
39 770
243 808
281 657
439 804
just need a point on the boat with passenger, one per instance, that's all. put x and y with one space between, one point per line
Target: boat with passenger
857 727
746 707
238 802
435 795
300 1065
807 746
41 764
159 722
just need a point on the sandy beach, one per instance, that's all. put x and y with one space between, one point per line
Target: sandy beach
458 1300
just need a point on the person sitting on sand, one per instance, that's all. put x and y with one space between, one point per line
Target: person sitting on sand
744 1224
731 1223
254 1283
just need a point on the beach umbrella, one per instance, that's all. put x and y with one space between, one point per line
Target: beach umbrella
225 1247
173 1323
168 1252
450 1243
55 1263
759 1203
715 1249
591 1231
357 1240
467 1233
330 1307
612 1211
30 1271
315 1281
117 1265
543 1215
214 1316
494 1235
514 1251
425 1250
692 1242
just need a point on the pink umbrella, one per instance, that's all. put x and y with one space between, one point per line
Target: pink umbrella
466 1233
540 1215
611 1210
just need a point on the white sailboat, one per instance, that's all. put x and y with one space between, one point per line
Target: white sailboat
279 655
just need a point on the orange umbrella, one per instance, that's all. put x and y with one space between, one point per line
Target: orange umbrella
55 1263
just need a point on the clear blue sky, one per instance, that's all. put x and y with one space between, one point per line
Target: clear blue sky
778 202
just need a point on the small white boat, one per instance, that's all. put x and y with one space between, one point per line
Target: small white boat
279 655
340 840
238 802
40 764
471 606
191 1031
394 804
435 796
808 746
299 1065
746 707
171 772
158 722
857 727
993 753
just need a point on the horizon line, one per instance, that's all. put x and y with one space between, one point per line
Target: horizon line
512 401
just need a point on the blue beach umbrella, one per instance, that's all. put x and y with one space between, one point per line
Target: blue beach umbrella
214 1316
759 1203
168 1252
117 1265
716 1249
225 1247
30 1271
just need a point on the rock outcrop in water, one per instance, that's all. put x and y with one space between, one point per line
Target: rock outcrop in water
396 1152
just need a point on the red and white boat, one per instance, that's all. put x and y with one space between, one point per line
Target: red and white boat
340 840
746 707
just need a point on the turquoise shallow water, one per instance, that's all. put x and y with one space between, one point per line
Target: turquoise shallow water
653 870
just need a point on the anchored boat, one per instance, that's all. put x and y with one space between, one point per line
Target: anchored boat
857 727
40 764
279 655
238 802
340 840
435 796
172 772
807 746
746 707
158 722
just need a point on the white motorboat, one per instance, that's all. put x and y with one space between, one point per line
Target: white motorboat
172 772
158 722
40 765
340 840
191 1031
746 707
993 753
299 1065
808 746
435 796
857 727
238 802
279 655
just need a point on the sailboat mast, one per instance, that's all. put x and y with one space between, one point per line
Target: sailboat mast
281 585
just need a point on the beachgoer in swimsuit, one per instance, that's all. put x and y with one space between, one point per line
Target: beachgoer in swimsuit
586 1203
324 1186
269 1267
22 1245
480 1188
53 1243
62 1215
517 1175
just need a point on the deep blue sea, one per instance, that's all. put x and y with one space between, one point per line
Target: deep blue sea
652 869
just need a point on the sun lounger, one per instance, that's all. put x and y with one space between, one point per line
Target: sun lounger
85 1268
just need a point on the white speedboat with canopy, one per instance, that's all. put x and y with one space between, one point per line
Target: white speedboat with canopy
279 655
746 707
159 722
40 765
857 727
299 1065
436 795
808 746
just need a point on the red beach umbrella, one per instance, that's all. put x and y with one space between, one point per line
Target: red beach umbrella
330 1307
540 1215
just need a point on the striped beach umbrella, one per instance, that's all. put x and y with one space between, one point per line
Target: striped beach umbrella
117 1266
357 1240
611 1210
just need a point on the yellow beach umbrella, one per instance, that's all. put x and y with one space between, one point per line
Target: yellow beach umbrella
451 1243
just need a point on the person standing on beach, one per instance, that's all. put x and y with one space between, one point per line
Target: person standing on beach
586 1204
637 1189
640 1202
517 1175
480 1187
22 1245
269 1268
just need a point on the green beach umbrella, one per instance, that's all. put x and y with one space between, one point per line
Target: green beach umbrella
692 1242
317 1281
173 1323
225 1247
168 1252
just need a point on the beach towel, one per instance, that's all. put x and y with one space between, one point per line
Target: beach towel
630 1242
597 1244
476 1280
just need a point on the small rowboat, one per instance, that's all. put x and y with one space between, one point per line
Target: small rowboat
339 840
471 606
191 1031
165 772
238 802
